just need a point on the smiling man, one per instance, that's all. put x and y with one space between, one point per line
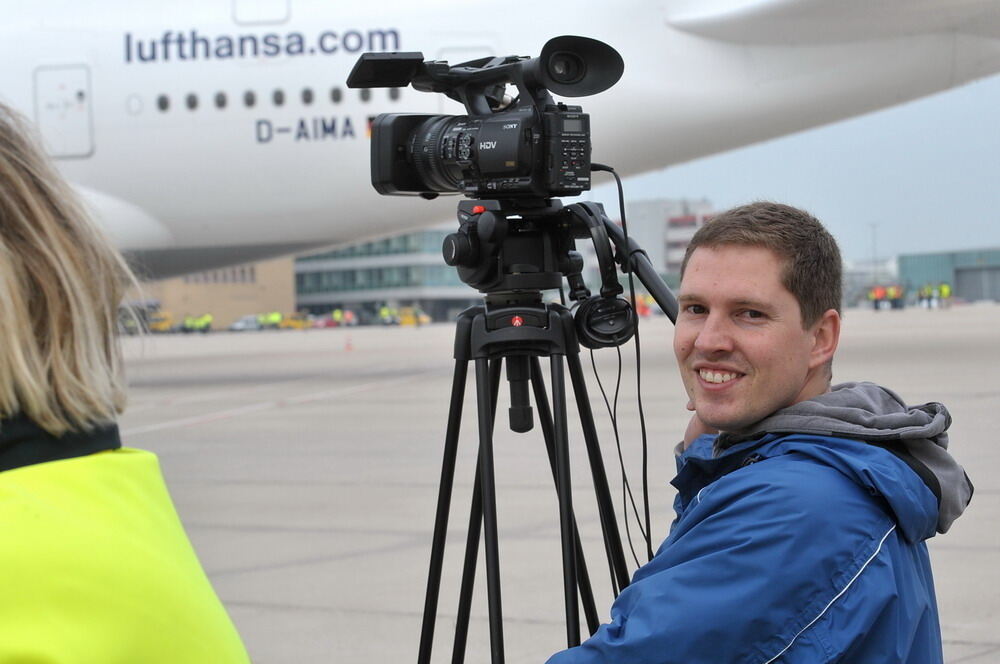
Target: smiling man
802 508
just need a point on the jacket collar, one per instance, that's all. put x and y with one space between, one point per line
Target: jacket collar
24 443
698 466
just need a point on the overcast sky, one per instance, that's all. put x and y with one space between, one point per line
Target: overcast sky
927 174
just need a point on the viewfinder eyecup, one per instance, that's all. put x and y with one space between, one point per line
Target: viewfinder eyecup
571 66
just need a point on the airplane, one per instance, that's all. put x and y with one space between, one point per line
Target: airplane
205 133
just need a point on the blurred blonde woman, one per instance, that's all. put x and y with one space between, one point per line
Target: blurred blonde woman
94 565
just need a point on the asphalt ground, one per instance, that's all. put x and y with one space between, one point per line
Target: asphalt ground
305 467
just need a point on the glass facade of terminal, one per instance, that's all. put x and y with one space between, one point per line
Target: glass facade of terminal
398 271
374 278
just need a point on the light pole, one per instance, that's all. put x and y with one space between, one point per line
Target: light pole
874 226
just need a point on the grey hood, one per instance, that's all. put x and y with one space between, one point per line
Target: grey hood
867 412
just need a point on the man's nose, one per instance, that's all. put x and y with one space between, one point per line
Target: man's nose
715 335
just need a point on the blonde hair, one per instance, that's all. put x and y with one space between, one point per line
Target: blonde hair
61 282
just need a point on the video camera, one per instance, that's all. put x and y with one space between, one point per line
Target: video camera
527 146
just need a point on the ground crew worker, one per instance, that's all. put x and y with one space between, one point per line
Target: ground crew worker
96 564
894 294
945 290
880 292
338 317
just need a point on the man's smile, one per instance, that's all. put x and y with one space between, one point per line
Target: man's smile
718 377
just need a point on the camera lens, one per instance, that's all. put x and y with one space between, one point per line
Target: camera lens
566 68
432 149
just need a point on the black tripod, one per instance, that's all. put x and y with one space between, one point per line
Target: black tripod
519 329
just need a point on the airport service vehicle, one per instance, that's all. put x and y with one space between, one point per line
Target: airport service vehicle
245 324
204 133
413 317
161 322
202 324
323 321
295 321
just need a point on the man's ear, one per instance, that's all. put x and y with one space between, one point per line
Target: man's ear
826 336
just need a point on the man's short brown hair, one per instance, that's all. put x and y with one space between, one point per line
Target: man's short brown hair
812 270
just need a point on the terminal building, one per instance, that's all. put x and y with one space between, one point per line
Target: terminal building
397 271
227 293
974 274
407 270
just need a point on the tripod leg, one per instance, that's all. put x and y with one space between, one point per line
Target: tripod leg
469 570
443 506
472 540
566 525
489 510
605 507
545 418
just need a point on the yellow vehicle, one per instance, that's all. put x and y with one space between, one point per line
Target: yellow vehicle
413 316
162 321
294 322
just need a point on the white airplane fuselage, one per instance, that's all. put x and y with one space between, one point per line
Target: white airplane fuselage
146 111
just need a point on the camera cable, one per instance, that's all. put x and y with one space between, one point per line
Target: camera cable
647 532
627 495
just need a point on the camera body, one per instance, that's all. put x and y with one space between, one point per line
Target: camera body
513 154
510 153
525 147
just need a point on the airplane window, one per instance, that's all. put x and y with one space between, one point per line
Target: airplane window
278 97
220 99
394 93
307 96
192 101
249 98
366 94
163 102
336 95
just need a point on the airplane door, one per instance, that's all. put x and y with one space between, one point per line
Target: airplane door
63 110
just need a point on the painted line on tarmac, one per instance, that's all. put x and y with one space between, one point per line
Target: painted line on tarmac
202 397
230 413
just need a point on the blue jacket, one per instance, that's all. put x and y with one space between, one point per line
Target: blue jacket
796 543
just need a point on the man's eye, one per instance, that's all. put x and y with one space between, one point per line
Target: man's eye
754 314
695 309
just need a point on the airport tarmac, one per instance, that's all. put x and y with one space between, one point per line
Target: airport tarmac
305 466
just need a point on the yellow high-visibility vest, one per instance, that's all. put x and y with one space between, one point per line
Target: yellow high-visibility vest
96 568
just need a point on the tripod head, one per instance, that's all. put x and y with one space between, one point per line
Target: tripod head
511 250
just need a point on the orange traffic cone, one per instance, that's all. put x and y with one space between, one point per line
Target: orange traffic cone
348 346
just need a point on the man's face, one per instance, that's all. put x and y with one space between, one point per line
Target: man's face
739 340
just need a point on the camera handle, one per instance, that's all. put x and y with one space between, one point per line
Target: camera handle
519 333
633 258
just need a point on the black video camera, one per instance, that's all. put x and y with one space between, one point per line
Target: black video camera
525 147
